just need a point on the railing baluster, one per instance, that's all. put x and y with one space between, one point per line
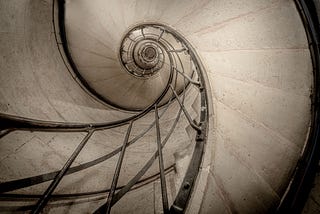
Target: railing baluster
161 166
143 33
162 31
46 196
106 208
131 39
185 111
188 78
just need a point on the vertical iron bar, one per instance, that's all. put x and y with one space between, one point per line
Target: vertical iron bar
185 111
162 31
131 39
107 206
46 196
161 166
188 78
143 33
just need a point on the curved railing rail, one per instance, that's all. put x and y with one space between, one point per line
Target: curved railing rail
302 181
9 123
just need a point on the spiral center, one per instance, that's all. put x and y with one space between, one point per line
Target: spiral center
141 53
146 54
149 54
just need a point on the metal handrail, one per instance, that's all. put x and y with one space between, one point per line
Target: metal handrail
67 196
30 181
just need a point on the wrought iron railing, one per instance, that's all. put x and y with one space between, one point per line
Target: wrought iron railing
191 78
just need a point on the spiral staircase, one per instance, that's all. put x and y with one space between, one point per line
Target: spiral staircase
158 106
